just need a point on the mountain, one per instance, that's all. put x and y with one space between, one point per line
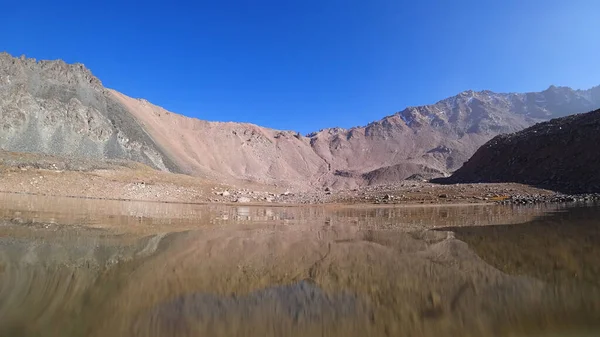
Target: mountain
62 109
560 154
442 136
56 108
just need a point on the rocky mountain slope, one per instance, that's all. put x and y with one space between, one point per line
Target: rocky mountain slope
560 154
60 109
55 108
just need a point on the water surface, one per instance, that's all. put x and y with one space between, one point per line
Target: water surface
73 267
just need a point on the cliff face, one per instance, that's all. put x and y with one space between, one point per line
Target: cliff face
56 108
561 154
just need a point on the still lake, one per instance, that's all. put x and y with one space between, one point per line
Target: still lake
79 267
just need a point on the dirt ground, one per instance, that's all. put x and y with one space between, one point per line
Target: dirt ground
123 180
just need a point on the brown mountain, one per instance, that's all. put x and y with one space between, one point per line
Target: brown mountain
560 154
57 108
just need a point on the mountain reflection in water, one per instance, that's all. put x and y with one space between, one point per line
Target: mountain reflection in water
71 267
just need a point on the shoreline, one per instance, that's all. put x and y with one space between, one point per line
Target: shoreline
550 199
256 204
134 182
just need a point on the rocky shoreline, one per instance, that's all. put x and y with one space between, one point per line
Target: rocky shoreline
556 198
122 180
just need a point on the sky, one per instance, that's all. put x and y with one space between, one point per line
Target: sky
310 64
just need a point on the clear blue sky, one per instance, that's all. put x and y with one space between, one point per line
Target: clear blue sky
309 64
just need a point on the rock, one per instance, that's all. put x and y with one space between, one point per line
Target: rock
225 193
243 199
327 189
443 196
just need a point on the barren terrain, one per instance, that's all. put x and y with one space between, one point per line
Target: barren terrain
55 108
124 180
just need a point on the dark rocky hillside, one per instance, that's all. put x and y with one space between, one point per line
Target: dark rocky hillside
562 154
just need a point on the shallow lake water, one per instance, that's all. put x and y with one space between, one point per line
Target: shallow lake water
77 267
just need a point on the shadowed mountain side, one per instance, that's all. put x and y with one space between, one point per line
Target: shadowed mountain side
560 154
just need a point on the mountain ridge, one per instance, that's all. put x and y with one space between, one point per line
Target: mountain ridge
56 108
593 91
